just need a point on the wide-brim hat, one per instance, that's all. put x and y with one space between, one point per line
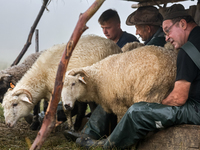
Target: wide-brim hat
175 11
147 15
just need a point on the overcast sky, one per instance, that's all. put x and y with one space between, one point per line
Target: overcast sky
55 26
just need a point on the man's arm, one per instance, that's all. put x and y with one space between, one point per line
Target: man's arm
179 95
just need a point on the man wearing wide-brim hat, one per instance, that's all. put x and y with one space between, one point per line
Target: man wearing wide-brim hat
182 105
147 21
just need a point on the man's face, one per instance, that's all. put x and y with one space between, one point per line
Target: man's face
174 33
111 29
143 32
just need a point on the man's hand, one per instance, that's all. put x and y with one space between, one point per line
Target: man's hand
179 95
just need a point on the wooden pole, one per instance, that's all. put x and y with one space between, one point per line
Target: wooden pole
28 42
49 121
36 40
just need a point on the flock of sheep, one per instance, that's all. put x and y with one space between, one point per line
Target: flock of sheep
98 71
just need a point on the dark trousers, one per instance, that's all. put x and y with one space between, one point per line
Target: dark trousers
100 124
144 117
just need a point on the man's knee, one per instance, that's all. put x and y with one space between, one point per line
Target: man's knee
138 106
138 109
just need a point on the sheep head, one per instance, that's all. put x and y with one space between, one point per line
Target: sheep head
16 104
74 88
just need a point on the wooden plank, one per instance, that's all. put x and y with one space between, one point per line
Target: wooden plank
141 1
152 2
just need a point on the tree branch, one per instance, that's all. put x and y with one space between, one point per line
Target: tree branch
28 42
49 121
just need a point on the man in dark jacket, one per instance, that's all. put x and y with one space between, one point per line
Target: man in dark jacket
101 123
147 21
182 106
111 26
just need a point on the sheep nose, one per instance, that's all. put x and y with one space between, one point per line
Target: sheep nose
8 124
67 107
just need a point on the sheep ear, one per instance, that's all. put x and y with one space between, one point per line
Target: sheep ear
10 89
25 99
4 75
81 79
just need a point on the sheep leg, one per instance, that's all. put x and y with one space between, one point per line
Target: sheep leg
69 120
92 106
80 114
36 123
68 115
78 110
45 104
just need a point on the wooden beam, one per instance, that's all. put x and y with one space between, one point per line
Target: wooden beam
152 2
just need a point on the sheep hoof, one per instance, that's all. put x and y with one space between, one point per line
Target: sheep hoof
58 123
29 118
67 107
35 125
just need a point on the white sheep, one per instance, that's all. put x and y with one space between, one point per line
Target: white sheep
131 46
38 82
118 81
12 75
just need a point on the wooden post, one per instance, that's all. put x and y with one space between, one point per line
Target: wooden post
49 121
36 40
28 42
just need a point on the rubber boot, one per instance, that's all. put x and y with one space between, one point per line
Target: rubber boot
98 124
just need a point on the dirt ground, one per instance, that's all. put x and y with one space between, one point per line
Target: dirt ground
21 137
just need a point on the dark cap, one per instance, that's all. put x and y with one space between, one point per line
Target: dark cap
175 11
145 15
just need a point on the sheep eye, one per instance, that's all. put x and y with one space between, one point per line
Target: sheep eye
73 84
15 104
